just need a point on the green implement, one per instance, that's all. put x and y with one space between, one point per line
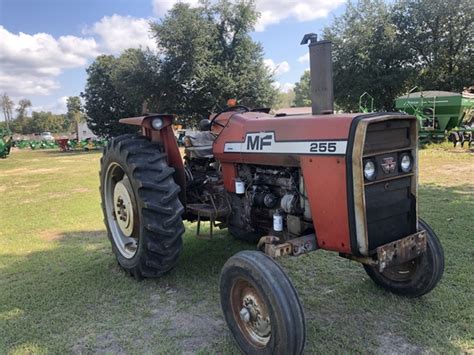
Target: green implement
439 112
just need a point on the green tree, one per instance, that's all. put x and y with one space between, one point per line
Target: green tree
209 57
74 114
439 37
303 90
104 103
367 55
7 106
285 99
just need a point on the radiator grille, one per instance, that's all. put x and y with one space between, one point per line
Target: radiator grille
390 203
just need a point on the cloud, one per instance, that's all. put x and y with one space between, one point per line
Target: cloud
116 33
279 68
57 107
283 87
31 63
304 58
160 7
275 11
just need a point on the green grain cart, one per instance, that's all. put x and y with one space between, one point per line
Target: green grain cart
440 114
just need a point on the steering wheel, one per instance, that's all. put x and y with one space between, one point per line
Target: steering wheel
236 108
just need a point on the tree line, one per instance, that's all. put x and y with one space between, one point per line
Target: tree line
17 120
389 48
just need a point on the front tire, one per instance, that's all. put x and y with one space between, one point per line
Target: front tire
142 210
261 306
415 277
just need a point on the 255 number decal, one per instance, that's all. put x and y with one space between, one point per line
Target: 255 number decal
323 147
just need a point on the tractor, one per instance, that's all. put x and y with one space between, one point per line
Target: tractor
291 184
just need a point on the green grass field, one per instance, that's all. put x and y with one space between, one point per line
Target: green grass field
62 291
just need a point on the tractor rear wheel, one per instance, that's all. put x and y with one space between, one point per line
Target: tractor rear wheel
142 211
261 306
415 277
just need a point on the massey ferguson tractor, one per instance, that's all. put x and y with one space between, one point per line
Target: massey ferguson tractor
291 184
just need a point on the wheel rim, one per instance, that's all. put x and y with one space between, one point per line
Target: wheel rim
120 206
403 272
251 313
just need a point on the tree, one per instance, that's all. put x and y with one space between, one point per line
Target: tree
104 103
285 99
367 55
303 90
7 107
23 105
439 36
210 57
74 114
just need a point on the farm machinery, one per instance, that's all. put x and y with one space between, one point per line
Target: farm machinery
347 183
5 143
441 114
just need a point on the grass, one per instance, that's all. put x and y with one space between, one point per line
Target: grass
62 291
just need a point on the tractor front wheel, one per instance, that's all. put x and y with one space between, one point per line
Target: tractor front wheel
141 207
415 277
261 306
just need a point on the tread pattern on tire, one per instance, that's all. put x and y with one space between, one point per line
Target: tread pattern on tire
159 208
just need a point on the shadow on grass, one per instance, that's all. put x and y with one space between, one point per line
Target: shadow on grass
72 296
55 153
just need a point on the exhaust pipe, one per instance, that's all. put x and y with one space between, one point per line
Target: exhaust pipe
320 59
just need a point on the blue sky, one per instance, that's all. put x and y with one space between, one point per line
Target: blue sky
46 45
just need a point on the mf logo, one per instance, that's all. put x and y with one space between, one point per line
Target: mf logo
389 164
256 141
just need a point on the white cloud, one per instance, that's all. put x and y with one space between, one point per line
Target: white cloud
274 11
160 7
116 33
31 63
283 87
277 68
57 107
304 58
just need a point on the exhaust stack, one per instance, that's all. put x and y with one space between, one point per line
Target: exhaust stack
320 59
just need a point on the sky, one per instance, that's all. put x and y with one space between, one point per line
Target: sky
46 45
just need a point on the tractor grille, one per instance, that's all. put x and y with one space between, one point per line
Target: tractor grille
390 203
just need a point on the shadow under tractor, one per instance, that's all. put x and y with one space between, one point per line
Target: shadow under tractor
292 184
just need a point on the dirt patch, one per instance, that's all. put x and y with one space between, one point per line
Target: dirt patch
394 344
104 343
3 188
50 235
196 325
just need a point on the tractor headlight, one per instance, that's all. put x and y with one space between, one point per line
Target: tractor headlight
369 170
406 162
157 123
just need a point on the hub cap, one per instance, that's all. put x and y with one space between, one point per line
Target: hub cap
121 212
251 313
123 209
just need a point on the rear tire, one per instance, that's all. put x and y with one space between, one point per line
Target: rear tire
142 210
261 306
415 277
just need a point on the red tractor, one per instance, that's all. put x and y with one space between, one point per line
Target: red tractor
293 184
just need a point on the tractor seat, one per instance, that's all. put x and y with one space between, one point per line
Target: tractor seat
199 144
